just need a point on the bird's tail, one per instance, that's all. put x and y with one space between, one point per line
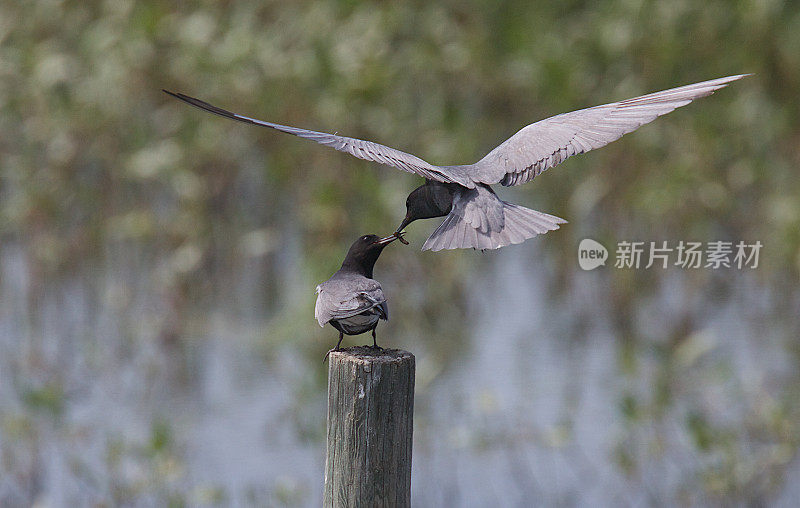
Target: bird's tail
519 224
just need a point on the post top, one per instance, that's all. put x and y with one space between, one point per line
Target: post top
367 354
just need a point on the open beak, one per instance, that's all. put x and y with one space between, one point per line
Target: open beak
386 240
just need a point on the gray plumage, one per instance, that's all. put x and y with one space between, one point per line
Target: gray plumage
351 300
355 301
477 217
481 220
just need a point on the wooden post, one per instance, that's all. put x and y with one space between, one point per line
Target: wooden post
370 416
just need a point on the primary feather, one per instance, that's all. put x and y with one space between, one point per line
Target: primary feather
549 142
524 155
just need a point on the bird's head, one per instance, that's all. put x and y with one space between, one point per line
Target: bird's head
425 202
365 252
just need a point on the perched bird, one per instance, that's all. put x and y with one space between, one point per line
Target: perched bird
351 300
475 216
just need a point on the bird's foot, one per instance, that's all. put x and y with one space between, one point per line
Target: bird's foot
325 359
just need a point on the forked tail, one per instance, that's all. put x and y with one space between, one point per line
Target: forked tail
517 225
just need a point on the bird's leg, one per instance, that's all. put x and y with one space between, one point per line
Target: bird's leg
375 340
341 336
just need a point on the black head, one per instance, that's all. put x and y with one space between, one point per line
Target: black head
365 251
427 201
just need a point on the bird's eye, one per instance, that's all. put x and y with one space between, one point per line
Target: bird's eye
365 238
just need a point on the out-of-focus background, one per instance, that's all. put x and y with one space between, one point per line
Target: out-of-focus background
158 264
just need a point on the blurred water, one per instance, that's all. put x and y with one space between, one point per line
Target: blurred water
99 406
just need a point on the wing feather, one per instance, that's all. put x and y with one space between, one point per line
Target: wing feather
341 301
523 156
481 220
367 150
549 142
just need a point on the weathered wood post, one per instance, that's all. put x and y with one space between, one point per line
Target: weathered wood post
370 417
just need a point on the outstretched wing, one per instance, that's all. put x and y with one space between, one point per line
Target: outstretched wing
366 150
546 143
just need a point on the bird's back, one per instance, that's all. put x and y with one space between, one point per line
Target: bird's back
346 294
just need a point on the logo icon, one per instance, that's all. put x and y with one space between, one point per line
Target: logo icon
591 254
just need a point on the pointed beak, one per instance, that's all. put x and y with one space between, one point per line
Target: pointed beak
406 221
386 240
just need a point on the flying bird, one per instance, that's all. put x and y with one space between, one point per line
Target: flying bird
351 300
474 216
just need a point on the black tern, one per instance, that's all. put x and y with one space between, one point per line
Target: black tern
351 300
475 216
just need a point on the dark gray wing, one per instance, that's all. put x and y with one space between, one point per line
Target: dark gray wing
366 150
344 297
546 143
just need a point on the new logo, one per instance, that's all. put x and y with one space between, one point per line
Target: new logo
591 254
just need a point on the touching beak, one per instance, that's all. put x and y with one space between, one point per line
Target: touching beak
386 240
406 221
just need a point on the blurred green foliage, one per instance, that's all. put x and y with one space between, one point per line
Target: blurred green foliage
96 163
93 152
